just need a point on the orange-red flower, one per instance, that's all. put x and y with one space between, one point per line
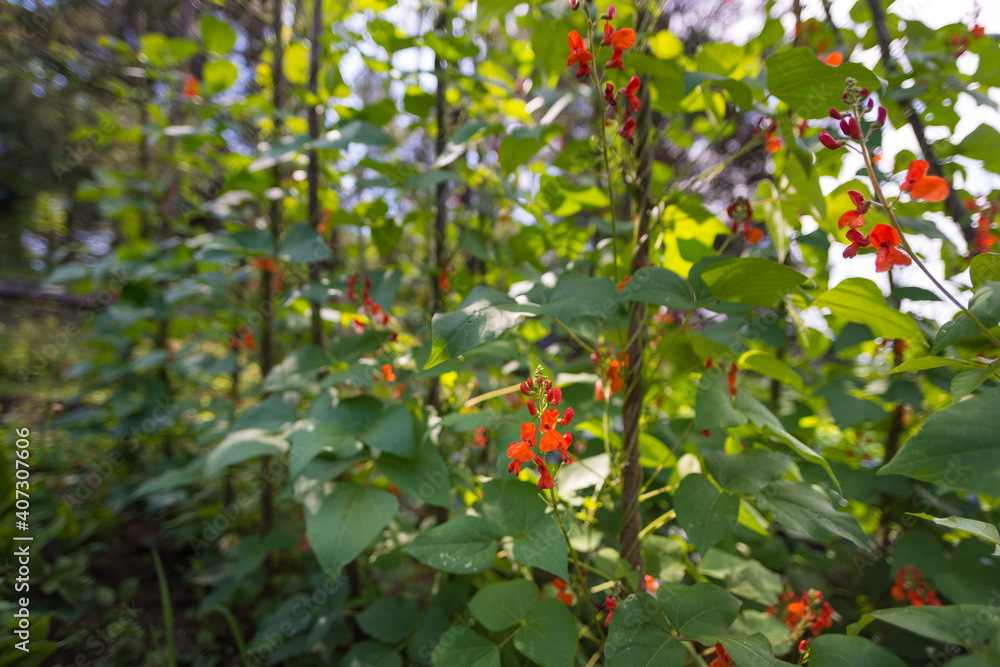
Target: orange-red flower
265 264
628 128
855 218
624 282
578 55
564 595
652 585
886 238
910 586
834 58
521 452
190 86
722 658
629 92
772 144
610 604
619 40
858 241
387 373
921 186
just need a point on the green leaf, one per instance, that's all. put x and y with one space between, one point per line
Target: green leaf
746 472
750 280
462 545
714 405
548 636
860 300
985 305
984 267
660 286
238 446
577 295
504 604
698 610
511 507
639 636
968 381
923 364
770 366
463 647
390 619
761 417
217 35
295 370
752 651
392 432
810 86
543 546
483 316
466 422
345 522
744 577
371 654
957 447
706 514
521 145
302 243
965 625
986 531
219 75
423 477
839 650
351 415
807 512
312 437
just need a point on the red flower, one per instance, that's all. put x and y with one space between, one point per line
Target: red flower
265 264
480 438
545 480
652 585
886 238
610 604
619 40
629 93
732 380
722 658
387 373
521 451
921 186
978 31
827 140
609 95
772 144
190 86
578 55
562 594
628 127
858 241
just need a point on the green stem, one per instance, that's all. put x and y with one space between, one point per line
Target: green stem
554 502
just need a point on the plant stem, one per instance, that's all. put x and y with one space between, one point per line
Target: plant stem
604 143
554 502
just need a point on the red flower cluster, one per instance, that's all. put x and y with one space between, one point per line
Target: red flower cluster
768 126
480 438
806 610
614 381
741 212
883 237
244 337
387 373
563 594
985 239
368 306
610 604
551 440
722 658
860 102
961 44
909 586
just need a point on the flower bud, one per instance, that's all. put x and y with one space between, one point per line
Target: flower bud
834 114
870 105
556 397
524 388
574 4
610 14
829 141
882 114
567 418
548 385
853 128
864 92
532 410
530 383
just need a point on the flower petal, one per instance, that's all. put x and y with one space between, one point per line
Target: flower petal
930 188
623 39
